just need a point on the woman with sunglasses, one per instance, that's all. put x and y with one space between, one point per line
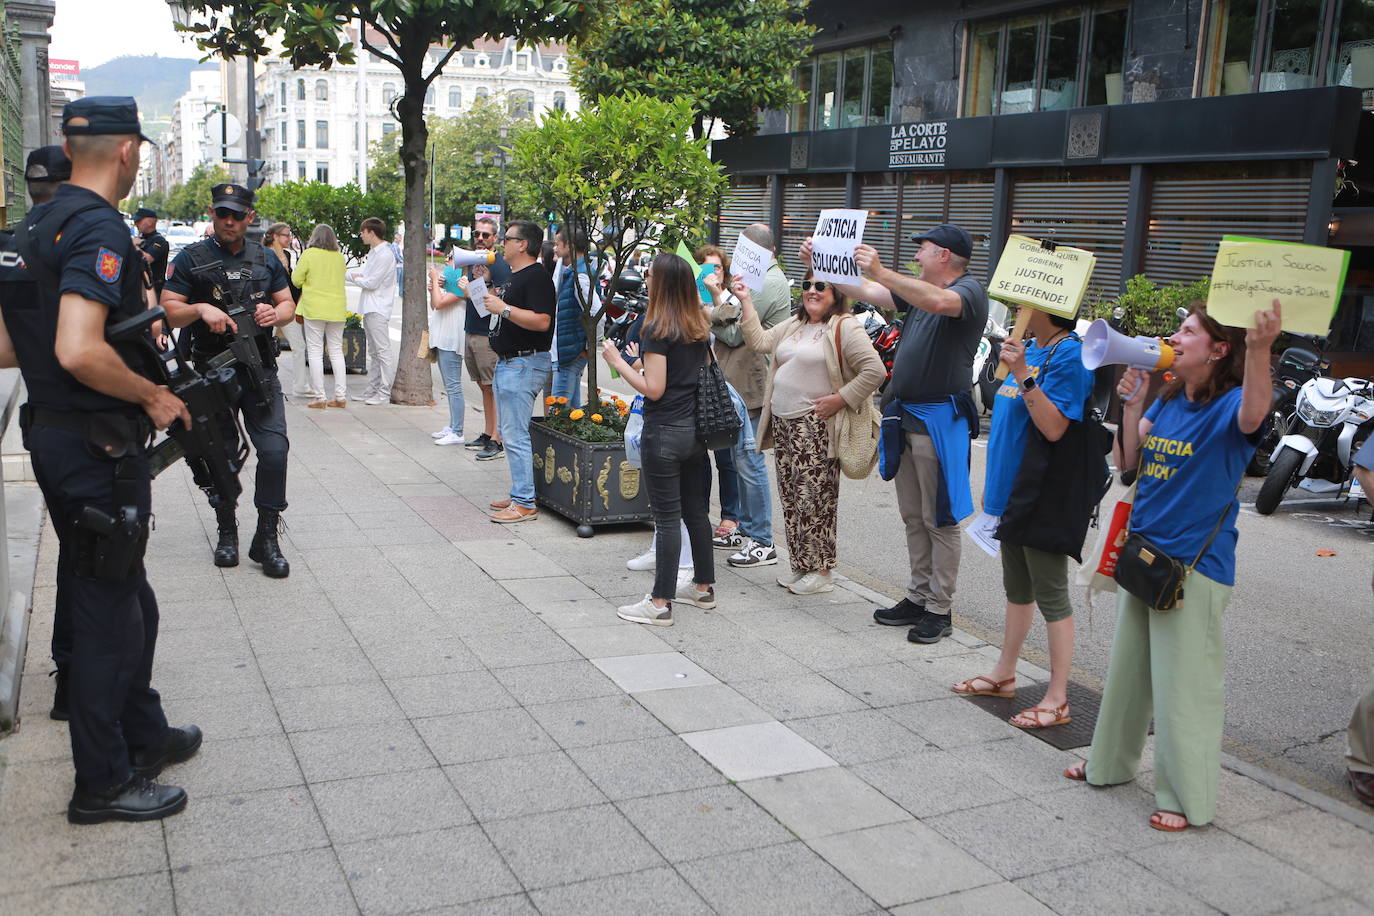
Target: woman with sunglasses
821 364
278 240
324 306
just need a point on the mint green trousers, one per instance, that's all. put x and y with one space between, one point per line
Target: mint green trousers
1169 666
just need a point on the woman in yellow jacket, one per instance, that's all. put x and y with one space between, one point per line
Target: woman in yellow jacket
320 276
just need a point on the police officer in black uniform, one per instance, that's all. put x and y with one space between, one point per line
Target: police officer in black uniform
154 246
196 296
87 424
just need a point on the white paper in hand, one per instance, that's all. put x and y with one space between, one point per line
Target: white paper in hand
982 531
838 233
477 295
750 262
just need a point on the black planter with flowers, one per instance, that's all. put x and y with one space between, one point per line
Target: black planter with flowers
580 470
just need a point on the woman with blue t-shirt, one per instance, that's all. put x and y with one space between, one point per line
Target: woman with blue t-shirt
1047 385
1190 448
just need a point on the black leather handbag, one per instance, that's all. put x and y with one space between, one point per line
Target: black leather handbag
1150 574
717 422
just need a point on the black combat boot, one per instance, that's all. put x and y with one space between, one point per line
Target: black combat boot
59 697
227 550
138 799
265 549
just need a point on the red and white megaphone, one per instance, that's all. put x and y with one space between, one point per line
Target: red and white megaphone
1103 346
462 257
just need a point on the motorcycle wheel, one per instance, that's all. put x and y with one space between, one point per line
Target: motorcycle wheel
1263 458
1281 474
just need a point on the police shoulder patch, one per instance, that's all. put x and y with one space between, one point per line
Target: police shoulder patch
108 265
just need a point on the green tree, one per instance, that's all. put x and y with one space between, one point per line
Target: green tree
731 58
191 201
303 205
401 32
153 200
467 170
1149 309
626 175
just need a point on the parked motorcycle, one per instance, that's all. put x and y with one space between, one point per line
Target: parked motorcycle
625 306
884 334
1297 366
1332 418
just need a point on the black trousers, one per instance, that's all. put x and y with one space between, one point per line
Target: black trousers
672 459
266 428
112 625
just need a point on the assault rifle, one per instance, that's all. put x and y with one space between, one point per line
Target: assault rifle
250 344
214 460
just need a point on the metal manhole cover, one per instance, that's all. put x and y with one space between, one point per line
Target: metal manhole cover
1083 704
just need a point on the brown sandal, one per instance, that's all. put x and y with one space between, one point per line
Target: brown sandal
1035 717
1078 772
1157 821
969 688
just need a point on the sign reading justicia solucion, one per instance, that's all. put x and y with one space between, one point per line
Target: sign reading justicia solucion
917 146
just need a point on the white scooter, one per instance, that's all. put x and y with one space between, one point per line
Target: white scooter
1332 419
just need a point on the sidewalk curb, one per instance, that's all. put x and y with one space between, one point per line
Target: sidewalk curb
1333 806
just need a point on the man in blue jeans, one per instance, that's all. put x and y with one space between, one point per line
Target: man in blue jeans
521 341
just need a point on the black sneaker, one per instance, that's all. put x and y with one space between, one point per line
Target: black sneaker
479 443
902 614
932 628
59 697
180 744
139 799
492 450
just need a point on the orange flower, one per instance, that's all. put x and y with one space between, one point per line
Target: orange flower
620 404
550 401
562 400
576 414
596 418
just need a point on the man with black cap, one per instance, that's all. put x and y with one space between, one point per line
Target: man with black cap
208 279
153 245
87 425
946 312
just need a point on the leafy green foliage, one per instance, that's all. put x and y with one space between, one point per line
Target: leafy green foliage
603 424
303 205
153 200
626 175
731 58
1150 309
189 201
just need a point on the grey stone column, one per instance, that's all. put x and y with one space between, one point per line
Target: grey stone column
33 19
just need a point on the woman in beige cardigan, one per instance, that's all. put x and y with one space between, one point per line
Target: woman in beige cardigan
822 362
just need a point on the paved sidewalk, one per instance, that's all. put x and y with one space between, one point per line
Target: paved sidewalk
437 713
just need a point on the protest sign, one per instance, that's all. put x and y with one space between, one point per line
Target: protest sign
1052 281
686 254
477 295
838 233
1249 274
750 262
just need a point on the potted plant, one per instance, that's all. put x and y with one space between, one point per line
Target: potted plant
355 345
580 468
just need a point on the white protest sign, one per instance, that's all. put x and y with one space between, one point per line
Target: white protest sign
838 233
477 295
750 262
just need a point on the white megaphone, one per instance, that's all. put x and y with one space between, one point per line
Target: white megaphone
1103 346
463 258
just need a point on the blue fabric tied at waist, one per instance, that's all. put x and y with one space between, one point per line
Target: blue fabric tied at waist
947 424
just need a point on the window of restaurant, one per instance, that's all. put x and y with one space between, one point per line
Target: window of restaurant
848 88
1274 45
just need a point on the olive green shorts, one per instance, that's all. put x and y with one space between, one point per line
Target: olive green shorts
1033 576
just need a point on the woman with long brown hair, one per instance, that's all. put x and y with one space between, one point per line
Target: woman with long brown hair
1190 450
673 346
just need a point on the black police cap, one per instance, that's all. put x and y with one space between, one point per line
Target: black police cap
48 163
102 114
233 196
144 213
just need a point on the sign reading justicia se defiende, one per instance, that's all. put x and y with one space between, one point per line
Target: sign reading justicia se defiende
917 146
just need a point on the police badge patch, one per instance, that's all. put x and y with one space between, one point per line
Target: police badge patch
107 265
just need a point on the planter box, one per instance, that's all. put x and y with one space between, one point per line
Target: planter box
355 353
589 483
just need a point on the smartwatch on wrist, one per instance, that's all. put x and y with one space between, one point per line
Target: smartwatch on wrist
1028 385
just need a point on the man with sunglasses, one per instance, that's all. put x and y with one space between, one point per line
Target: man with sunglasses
194 299
480 357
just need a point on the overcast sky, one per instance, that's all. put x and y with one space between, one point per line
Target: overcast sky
94 31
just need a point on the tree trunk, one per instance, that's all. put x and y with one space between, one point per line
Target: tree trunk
414 385
593 354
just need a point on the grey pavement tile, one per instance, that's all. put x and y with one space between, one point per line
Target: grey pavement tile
655 890
830 651
190 613
40 739
511 650
703 822
247 826
190 677
1241 799
374 806
360 750
660 671
449 694
1320 844
296 882
1230 874
1021 763
419 871
201 642
237 765
614 639
509 558
786 880
484 735
1111 885
150 893
398 628
887 684
534 592
516 786
754 751
33 790
650 766
932 782
1332 906
858 737
509 905
311 669
422 656
550 849
818 803
1016 838
945 667
599 720
408 534
952 722
694 709
745 662
570 680
1119 814
334 705
798 696
231 715
1004 899
576 614
864 857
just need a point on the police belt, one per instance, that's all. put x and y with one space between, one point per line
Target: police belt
117 434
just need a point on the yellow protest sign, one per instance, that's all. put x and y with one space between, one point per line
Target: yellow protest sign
1052 281
1249 274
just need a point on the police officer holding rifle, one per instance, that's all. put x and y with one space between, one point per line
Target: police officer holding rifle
230 293
87 424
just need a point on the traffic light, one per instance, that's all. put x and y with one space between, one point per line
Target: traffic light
255 166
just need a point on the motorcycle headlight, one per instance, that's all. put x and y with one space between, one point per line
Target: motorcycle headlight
1313 417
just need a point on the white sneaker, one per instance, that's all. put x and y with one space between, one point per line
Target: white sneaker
642 563
446 431
450 439
645 612
377 401
684 576
689 593
786 580
361 397
752 553
813 583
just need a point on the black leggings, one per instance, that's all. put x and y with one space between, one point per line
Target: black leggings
672 468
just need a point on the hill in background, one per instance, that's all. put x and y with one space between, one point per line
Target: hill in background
156 82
